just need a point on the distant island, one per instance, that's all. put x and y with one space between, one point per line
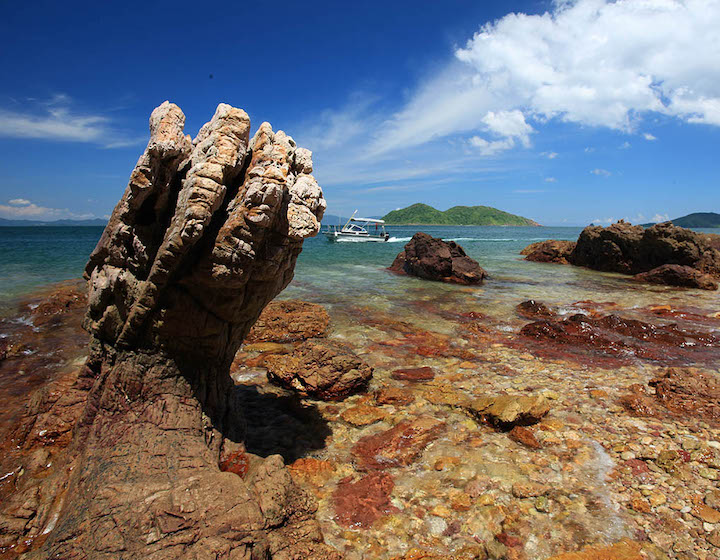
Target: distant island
23 223
422 214
696 220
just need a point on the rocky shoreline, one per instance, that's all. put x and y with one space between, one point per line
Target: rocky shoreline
613 465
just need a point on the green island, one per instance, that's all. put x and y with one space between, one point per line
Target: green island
422 214
697 220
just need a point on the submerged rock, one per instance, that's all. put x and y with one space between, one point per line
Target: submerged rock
288 321
431 258
358 504
690 392
676 275
506 411
399 446
532 309
205 235
424 373
321 369
550 251
619 337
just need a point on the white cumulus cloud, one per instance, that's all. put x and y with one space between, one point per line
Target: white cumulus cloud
19 202
649 136
601 172
31 211
590 62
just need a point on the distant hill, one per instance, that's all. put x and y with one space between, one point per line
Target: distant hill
696 220
422 214
21 223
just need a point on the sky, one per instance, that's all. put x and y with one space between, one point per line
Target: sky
563 111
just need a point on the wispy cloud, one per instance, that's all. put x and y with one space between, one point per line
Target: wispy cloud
57 119
589 150
625 145
22 209
601 172
529 191
649 136
550 180
550 155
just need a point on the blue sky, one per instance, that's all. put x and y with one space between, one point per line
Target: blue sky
565 111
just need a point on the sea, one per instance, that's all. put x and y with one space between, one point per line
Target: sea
350 273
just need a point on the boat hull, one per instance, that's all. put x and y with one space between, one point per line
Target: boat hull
350 238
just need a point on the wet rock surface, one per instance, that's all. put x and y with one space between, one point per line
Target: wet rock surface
430 258
680 276
206 234
322 369
399 446
551 251
532 309
620 338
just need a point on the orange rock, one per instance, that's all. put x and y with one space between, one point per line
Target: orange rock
623 550
312 471
640 505
445 462
363 415
525 436
706 513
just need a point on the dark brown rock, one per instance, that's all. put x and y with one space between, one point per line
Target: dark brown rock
321 369
206 234
550 251
359 503
434 259
288 321
630 249
424 373
399 446
532 309
676 275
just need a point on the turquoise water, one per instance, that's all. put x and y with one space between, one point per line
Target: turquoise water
354 273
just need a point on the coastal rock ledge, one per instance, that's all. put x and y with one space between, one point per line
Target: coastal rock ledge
431 258
206 234
661 254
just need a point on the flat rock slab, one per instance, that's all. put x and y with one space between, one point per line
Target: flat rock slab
424 373
399 446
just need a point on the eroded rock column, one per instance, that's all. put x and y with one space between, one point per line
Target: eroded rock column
206 234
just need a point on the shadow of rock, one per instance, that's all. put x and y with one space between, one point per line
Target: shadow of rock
280 424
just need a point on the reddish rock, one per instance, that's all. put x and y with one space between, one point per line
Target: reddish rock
320 369
620 337
424 373
288 321
525 436
63 299
676 275
358 504
431 258
399 446
551 251
506 411
532 309
690 392
237 463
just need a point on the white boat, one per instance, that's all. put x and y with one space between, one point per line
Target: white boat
358 230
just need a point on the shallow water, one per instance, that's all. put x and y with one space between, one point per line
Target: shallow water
396 321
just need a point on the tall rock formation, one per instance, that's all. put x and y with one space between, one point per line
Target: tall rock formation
206 234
